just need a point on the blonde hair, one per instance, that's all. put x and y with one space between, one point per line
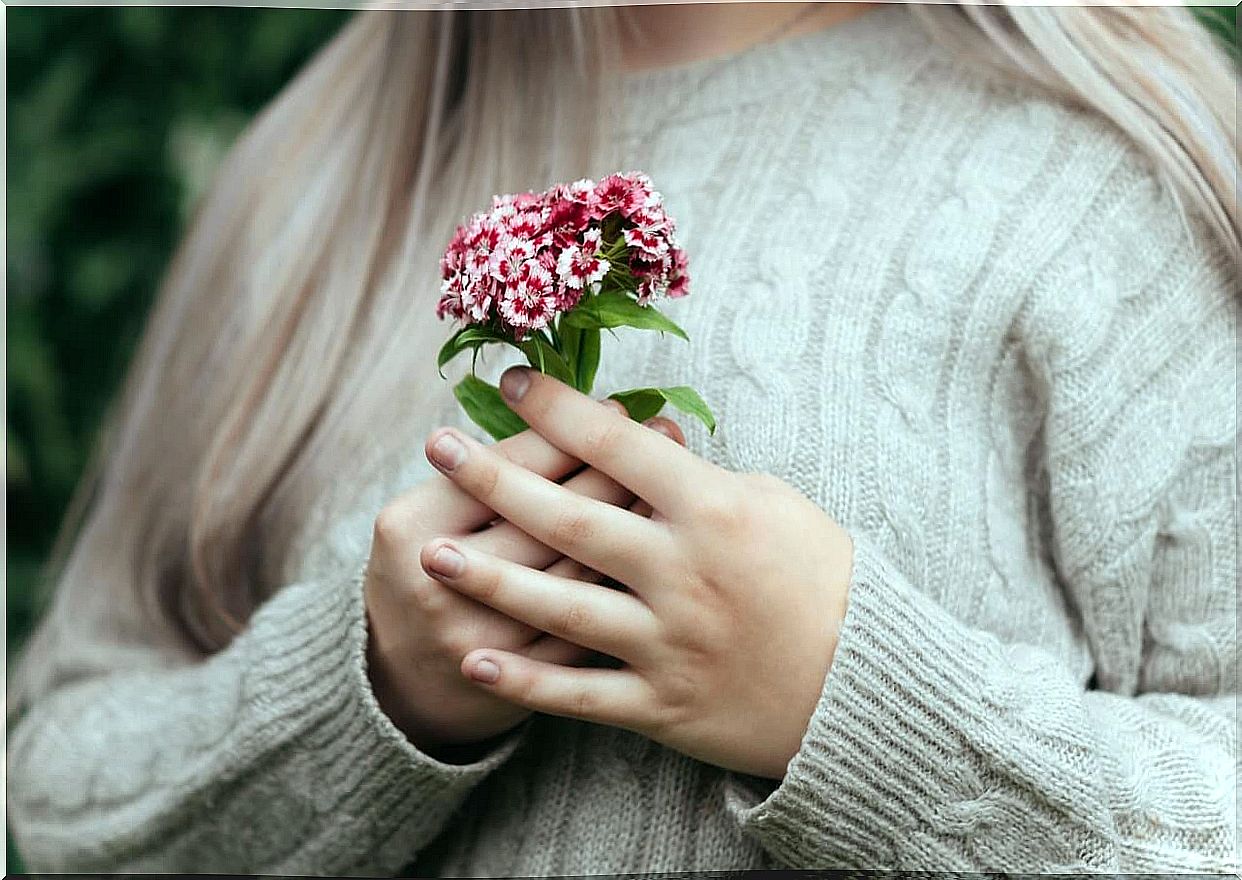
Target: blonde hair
290 341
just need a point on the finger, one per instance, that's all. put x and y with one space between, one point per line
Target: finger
616 697
640 507
456 511
456 605
586 614
653 467
507 540
609 539
572 569
550 649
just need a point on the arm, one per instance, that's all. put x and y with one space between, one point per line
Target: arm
269 757
936 745
284 753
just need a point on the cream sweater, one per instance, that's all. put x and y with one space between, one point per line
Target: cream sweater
968 323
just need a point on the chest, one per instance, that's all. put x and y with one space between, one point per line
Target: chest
873 369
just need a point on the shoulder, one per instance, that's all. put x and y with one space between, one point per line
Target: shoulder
1121 304
1084 223
921 129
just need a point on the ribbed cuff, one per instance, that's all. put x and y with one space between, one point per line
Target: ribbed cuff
885 762
377 798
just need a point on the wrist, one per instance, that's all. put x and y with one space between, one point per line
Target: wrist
445 746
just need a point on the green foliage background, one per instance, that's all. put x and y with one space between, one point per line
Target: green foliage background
116 119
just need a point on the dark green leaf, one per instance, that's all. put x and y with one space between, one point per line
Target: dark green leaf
588 360
546 359
615 309
571 338
643 403
467 338
487 409
688 401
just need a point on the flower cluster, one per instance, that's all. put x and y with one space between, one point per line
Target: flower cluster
533 256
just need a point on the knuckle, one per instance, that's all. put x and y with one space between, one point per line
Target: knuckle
425 595
487 582
574 619
667 712
526 690
602 438
698 644
678 692
484 478
571 526
582 703
719 511
700 597
455 642
391 526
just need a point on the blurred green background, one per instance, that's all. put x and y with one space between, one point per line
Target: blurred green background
116 119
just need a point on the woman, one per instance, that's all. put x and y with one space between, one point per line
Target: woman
952 587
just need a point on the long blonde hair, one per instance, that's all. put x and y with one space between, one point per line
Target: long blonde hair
290 340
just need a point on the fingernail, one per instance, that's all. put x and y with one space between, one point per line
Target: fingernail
448 562
660 426
485 671
514 382
614 404
448 452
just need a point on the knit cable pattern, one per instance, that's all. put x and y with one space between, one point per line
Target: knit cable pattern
976 332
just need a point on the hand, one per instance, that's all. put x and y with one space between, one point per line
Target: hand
738 584
420 630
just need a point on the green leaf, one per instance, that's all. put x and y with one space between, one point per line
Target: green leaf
487 409
588 360
546 359
688 401
643 403
571 339
471 337
581 351
616 309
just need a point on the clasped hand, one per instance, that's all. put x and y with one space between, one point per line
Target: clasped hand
735 585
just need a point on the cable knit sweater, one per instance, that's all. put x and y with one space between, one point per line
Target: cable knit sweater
969 323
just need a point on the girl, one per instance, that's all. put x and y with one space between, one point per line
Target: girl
953 587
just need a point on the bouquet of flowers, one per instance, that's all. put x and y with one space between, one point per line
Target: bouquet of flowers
547 272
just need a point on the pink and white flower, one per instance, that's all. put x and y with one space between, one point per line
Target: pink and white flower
533 256
477 297
622 193
529 300
450 304
525 224
509 257
580 266
649 231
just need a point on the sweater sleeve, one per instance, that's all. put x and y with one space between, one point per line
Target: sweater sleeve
270 757
937 745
